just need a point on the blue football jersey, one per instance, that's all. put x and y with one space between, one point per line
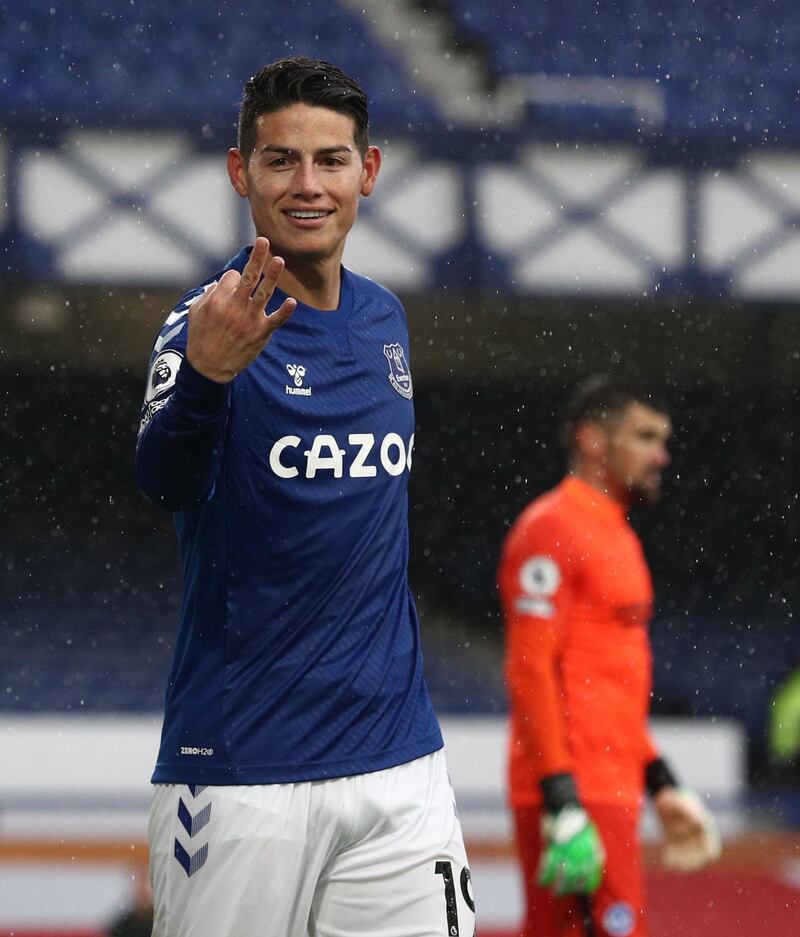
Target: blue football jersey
298 654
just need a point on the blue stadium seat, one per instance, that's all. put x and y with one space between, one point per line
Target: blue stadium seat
150 62
724 68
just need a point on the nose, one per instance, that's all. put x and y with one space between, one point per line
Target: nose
306 181
663 457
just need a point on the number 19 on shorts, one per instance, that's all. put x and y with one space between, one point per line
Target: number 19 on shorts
445 869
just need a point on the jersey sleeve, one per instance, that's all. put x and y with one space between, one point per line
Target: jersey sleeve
536 589
183 420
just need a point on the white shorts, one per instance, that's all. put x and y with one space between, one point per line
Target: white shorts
373 855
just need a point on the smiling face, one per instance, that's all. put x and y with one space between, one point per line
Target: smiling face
304 180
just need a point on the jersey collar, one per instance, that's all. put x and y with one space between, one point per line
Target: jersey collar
593 499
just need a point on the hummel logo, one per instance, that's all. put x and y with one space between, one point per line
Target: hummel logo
297 372
193 824
191 863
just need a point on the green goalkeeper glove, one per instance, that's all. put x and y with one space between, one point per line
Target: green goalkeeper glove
573 857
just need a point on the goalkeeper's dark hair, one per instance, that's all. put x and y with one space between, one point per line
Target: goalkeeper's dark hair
603 399
301 80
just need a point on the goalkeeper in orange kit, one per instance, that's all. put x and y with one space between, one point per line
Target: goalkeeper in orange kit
577 598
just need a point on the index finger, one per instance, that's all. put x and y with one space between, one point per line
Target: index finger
254 267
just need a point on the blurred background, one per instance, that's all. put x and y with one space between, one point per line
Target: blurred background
567 188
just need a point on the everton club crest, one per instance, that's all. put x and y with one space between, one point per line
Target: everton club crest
399 374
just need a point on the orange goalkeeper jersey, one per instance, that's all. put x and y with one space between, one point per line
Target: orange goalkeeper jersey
577 598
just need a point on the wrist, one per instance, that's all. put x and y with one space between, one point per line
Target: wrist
658 775
213 374
559 791
197 396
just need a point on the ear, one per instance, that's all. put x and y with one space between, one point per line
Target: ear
237 171
372 166
591 441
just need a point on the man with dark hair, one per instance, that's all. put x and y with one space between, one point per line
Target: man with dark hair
301 80
577 598
300 788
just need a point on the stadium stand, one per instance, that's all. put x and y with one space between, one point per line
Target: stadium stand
151 63
725 69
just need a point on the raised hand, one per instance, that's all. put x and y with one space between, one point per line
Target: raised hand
228 327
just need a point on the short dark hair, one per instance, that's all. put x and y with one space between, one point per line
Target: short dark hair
301 80
602 397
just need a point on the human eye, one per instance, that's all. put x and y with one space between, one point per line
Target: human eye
332 162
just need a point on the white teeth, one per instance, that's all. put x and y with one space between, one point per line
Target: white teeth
306 214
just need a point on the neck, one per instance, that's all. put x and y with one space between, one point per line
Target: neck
314 282
598 478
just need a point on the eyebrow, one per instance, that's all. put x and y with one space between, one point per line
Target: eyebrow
289 151
654 431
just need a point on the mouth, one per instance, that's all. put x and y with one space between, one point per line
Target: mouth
306 215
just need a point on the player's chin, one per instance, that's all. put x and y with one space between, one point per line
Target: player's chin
647 493
306 245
